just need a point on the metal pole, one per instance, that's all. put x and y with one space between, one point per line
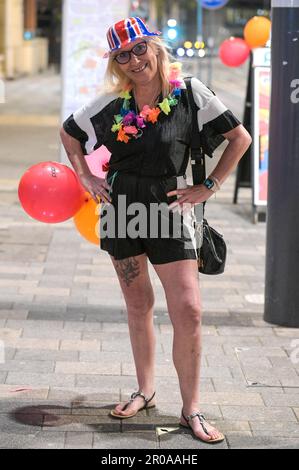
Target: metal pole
211 45
199 20
282 247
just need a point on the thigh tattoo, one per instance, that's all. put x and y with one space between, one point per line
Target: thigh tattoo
127 269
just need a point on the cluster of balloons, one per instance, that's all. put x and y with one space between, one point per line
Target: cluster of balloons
51 192
234 51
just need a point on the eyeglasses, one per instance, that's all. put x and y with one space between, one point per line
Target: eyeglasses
125 56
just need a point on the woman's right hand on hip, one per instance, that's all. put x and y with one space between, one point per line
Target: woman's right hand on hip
96 186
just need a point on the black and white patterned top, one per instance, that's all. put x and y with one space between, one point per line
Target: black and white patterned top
163 148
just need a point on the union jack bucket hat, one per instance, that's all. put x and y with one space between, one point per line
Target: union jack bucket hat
125 31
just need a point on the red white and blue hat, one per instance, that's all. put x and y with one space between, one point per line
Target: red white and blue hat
125 31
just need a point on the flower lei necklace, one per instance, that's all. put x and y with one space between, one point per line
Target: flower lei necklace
129 124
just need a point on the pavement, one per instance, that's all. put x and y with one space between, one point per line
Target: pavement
65 356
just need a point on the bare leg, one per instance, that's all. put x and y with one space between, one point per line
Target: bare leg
180 282
139 297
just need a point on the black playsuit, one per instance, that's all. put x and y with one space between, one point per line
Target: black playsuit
145 169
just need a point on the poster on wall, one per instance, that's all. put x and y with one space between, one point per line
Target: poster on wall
261 114
85 23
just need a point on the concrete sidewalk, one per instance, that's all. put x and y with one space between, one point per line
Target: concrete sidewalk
63 324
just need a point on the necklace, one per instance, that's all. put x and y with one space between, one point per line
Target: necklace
129 123
151 102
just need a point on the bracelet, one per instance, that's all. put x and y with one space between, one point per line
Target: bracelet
216 181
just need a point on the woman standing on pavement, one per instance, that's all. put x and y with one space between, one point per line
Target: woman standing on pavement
145 121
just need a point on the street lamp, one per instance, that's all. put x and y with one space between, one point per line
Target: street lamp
172 23
180 52
172 31
190 52
172 34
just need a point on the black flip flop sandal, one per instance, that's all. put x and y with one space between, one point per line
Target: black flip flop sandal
202 419
133 396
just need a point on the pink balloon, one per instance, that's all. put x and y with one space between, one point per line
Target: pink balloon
97 159
234 51
51 192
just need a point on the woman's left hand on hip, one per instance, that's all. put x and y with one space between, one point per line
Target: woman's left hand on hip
188 197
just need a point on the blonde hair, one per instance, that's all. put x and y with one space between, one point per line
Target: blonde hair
115 80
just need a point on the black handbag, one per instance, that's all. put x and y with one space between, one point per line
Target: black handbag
211 247
212 253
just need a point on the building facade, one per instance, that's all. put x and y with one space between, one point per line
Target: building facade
24 46
30 30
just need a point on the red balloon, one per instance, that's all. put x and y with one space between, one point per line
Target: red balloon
51 192
234 51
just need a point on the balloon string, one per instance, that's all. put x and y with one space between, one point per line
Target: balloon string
112 178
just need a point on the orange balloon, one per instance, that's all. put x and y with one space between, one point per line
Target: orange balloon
87 220
257 31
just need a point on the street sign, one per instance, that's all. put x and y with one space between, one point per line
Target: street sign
261 114
213 4
260 99
253 168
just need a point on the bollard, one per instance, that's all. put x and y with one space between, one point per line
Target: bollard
282 241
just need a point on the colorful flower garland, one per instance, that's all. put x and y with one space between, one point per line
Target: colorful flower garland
129 124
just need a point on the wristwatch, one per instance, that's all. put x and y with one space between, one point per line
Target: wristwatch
210 184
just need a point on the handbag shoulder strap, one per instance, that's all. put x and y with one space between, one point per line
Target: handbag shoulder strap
195 138
196 151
